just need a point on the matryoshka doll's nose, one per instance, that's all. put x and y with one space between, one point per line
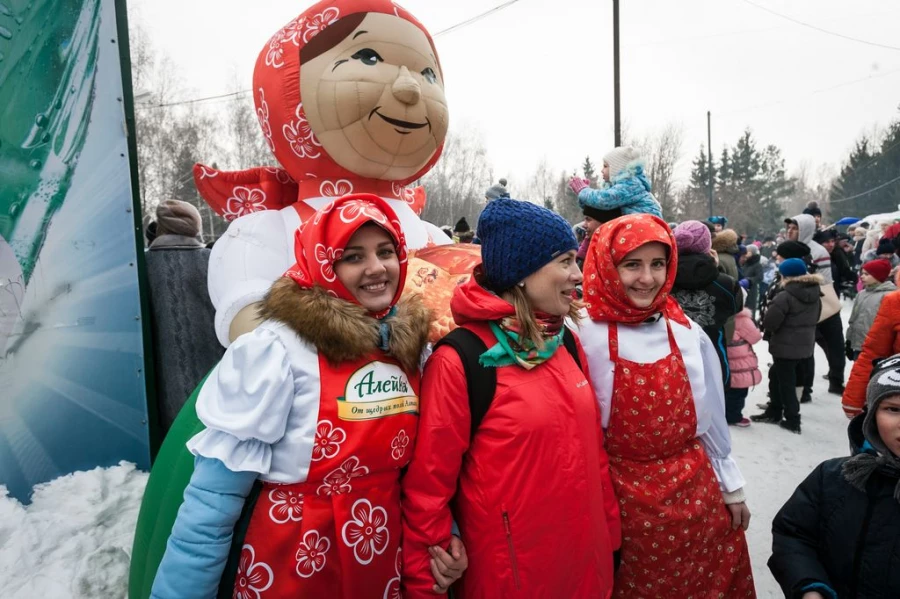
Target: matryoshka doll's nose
406 89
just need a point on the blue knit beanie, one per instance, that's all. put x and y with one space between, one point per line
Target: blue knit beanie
518 238
792 267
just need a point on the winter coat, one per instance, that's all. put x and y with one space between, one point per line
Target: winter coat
791 318
820 257
883 340
841 272
261 409
829 532
531 492
725 243
709 298
629 190
865 307
181 314
753 270
741 357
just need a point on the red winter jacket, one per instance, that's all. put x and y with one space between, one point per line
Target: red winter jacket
531 493
882 341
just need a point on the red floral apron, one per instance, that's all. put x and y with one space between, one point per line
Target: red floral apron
337 534
677 539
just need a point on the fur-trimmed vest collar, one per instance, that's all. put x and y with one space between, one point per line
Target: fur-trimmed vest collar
342 331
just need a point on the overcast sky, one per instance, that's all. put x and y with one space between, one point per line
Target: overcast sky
536 77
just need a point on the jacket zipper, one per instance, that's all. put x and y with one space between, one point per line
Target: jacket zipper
512 550
860 544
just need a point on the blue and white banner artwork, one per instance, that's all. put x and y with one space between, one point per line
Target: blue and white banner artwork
72 374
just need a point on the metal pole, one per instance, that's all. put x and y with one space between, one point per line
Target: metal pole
617 100
709 152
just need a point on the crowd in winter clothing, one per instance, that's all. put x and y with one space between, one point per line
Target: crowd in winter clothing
645 377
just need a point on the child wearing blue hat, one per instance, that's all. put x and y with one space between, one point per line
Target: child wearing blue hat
790 328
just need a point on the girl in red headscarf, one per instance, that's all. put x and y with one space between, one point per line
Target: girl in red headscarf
657 379
309 420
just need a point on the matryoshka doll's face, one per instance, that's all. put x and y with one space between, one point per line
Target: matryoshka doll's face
375 100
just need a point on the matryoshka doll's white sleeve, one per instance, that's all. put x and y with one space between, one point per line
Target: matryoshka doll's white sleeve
254 251
712 428
245 403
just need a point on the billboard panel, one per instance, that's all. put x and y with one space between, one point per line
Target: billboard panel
72 368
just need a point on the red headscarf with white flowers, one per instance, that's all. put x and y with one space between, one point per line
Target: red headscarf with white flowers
603 291
320 242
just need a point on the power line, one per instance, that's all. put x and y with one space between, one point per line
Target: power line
475 18
194 100
819 29
865 193
459 25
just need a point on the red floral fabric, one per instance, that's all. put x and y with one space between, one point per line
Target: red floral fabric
338 533
677 539
320 242
603 291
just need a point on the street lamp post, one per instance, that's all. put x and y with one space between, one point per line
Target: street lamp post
616 90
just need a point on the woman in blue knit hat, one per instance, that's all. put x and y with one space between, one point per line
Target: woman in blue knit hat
529 483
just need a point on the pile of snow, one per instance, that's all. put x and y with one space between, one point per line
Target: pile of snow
74 539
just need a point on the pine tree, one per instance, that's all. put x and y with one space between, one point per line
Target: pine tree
694 202
589 171
864 186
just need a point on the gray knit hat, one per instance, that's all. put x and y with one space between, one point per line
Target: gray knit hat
884 383
175 217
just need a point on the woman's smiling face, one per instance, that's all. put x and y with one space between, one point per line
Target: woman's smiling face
375 101
643 273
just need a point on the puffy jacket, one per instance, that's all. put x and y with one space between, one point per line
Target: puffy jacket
821 259
882 341
726 245
831 533
531 492
628 190
791 317
865 308
709 298
741 357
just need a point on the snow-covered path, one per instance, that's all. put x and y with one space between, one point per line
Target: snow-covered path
74 540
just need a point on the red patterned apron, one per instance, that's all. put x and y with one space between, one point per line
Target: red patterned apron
337 534
677 539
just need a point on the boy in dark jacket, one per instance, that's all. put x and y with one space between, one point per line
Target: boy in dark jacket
837 534
790 328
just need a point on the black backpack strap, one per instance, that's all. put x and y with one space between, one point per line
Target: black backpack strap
569 342
481 381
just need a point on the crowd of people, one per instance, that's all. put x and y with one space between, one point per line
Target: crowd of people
569 439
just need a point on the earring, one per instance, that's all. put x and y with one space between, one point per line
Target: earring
522 284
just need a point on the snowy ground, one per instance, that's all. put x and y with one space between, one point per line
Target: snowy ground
74 539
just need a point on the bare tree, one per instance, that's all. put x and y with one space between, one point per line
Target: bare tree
456 184
541 187
662 153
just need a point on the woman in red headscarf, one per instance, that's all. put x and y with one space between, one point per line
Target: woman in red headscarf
309 420
657 379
